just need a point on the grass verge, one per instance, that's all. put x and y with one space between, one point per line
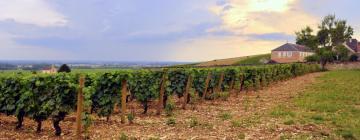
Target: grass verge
333 102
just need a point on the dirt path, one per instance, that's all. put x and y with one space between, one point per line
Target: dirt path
241 116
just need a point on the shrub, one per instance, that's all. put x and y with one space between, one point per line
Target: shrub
354 58
312 58
169 108
193 122
223 95
225 116
236 123
171 121
131 117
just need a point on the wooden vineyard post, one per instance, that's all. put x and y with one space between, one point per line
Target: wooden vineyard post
188 86
206 85
162 91
241 83
232 83
80 104
123 100
218 89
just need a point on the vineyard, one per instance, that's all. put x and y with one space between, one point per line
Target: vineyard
42 97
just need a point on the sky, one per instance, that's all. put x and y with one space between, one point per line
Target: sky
158 30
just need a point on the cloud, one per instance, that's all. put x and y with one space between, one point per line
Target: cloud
262 17
10 50
215 47
157 30
34 12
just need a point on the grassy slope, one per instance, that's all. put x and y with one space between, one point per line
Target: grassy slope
254 60
333 103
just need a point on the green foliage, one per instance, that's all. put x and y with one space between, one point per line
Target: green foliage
289 122
282 111
107 88
223 95
131 117
225 116
331 35
199 80
305 37
335 31
325 56
169 108
41 97
312 58
171 121
193 122
86 122
64 68
145 85
236 123
177 82
10 93
342 53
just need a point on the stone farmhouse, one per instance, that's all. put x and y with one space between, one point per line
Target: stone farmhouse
353 45
289 53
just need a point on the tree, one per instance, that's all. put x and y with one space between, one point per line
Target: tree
305 37
64 68
342 54
334 32
325 56
327 43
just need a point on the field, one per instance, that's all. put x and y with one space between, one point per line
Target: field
314 106
254 60
245 60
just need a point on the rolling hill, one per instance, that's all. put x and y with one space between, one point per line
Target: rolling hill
245 60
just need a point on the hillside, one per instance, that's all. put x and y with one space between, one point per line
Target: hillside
253 59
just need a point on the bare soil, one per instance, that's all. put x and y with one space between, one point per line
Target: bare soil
246 116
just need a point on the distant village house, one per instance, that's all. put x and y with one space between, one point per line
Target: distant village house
289 53
50 70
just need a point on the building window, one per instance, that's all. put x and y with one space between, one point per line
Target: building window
279 54
289 54
284 54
